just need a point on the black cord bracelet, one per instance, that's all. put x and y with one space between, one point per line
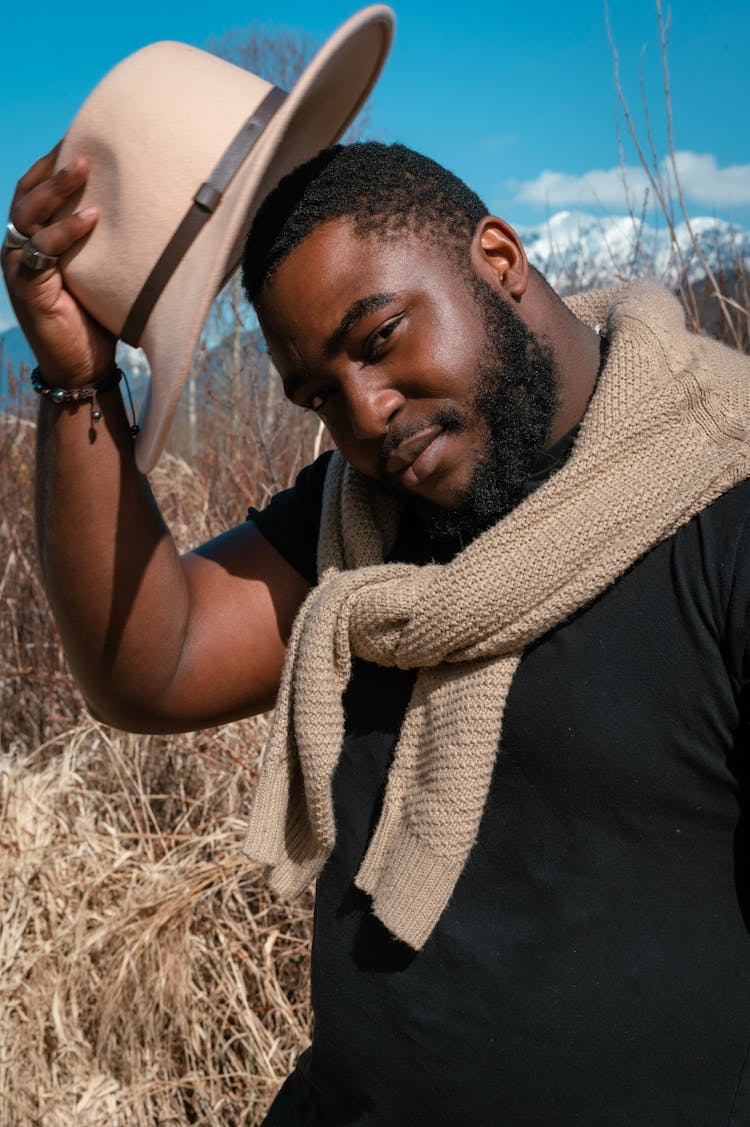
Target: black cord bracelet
71 396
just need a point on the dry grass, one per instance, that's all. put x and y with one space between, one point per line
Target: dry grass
147 977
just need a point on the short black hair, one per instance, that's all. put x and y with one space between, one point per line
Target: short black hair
384 189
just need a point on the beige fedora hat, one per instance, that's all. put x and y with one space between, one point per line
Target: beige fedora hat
183 148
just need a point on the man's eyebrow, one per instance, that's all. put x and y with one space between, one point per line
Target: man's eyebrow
354 314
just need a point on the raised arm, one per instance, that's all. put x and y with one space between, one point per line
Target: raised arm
157 641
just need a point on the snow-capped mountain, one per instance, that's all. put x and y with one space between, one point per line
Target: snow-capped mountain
578 251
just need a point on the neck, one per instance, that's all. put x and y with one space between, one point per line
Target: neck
577 350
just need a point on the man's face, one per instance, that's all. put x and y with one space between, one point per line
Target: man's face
426 379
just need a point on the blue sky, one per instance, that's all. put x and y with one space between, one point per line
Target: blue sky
517 99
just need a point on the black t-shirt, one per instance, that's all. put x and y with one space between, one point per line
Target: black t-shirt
592 968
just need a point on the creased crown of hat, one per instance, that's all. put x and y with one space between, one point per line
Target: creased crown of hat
183 148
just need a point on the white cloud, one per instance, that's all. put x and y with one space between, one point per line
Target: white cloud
706 183
605 187
702 180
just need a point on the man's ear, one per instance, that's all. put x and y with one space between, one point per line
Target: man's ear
497 255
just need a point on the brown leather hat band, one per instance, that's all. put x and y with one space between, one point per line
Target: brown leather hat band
205 202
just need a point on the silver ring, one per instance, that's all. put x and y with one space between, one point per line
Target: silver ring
14 240
34 259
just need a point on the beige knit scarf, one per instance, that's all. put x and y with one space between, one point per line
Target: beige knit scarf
667 431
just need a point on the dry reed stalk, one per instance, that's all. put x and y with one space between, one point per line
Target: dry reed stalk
664 180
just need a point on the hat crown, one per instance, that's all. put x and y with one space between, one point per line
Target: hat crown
153 130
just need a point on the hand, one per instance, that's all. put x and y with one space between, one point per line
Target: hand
72 349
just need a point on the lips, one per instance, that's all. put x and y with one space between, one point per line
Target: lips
409 449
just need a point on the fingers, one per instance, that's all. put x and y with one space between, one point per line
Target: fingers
60 236
53 240
39 195
69 346
40 170
45 195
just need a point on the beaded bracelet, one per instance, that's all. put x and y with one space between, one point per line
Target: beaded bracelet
71 396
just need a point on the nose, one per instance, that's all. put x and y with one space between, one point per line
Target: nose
371 410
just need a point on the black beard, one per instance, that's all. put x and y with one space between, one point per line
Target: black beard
516 396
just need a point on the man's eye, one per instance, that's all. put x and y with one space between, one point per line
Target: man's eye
375 342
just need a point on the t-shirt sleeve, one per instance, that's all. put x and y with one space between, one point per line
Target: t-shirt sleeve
291 519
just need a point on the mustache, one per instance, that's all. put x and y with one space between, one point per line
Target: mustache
448 418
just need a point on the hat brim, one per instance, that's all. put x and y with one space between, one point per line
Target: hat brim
317 111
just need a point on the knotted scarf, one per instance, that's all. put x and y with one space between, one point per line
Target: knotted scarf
667 431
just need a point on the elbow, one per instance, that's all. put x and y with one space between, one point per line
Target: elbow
116 716
123 714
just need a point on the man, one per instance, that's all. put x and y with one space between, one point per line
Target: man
537 535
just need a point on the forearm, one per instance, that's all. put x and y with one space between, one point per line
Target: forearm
158 643
110 569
